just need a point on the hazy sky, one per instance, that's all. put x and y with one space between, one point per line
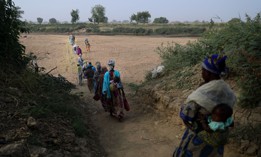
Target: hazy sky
173 10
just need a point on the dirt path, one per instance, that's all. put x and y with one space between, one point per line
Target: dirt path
140 134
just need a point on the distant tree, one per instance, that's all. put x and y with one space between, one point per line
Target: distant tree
39 20
125 21
211 23
234 20
133 18
141 17
161 20
106 20
98 14
75 16
52 21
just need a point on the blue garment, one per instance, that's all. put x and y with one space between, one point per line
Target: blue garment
191 145
93 68
80 61
219 125
106 82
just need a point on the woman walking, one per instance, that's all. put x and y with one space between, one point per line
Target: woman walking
199 105
112 88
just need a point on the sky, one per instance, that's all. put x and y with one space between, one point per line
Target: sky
119 10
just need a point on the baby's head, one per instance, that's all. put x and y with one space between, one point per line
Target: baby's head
221 113
116 79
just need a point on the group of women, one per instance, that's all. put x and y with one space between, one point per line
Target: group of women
104 82
206 113
109 90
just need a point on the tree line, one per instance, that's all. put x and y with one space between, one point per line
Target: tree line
98 16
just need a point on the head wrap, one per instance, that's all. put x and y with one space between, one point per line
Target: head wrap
215 64
111 62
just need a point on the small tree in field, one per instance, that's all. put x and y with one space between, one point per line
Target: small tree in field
133 18
52 21
161 20
141 17
75 16
98 14
39 20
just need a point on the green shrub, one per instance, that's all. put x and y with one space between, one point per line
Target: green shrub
180 30
176 56
12 52
240 41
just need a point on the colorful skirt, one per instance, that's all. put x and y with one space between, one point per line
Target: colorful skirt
192 145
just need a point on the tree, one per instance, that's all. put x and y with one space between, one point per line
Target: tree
161 20
142 17
75 16
39 20
211 24
90 19
52 21
98 14
12 52
133 18
234 20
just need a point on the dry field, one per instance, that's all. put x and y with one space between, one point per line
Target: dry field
134 56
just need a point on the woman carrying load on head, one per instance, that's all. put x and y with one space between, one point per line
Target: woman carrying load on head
112 88
199 139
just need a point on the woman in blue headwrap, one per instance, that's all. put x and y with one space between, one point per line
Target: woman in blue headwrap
205 136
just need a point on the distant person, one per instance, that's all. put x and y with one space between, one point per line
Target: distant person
75 48
97 74
204 102
80 60
89 71
78 51
80 74
87 44
71 39
98 92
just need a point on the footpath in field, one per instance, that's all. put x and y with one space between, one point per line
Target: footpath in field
141 133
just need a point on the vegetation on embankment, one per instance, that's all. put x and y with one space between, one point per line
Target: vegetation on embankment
38 113
181 29
240 41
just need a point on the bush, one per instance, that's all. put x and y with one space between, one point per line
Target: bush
12 52
180 30
240 41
